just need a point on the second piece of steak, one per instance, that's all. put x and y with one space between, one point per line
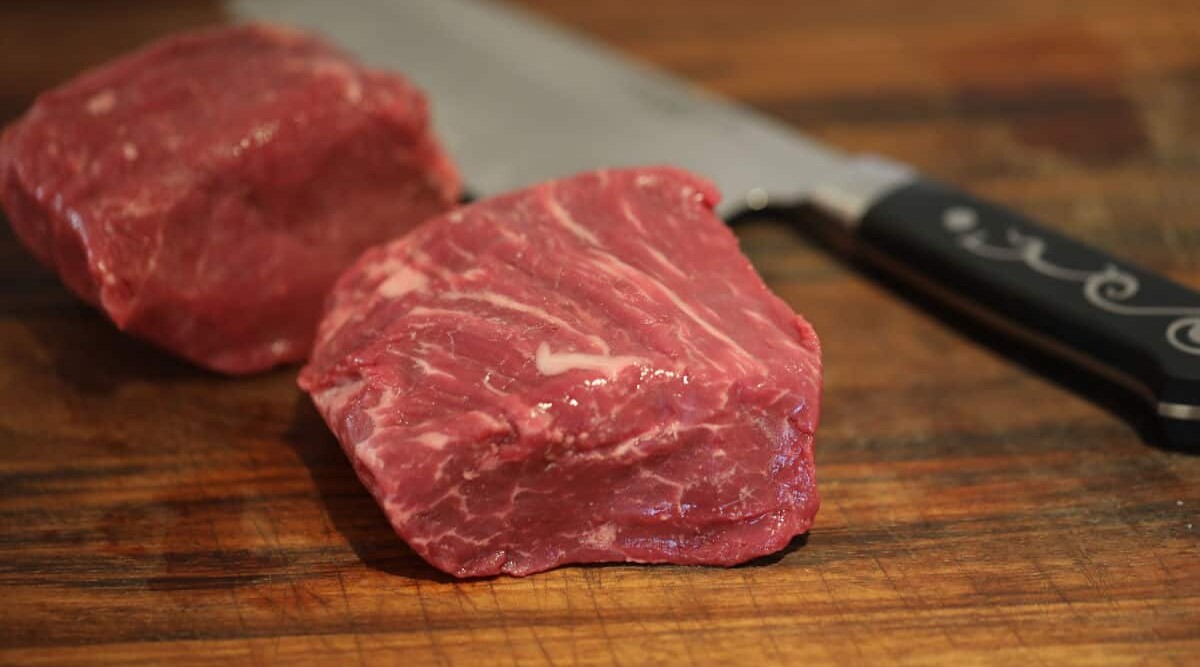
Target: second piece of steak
587 370
206 191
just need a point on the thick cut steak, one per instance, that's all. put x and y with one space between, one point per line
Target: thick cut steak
587 370
206 191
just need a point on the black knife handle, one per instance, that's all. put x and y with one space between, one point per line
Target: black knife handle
1125 322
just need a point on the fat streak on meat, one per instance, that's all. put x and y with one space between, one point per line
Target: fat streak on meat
206 191
587 370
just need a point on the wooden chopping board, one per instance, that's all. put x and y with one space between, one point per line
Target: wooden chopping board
975 511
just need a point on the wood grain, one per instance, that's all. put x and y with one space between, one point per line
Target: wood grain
975 510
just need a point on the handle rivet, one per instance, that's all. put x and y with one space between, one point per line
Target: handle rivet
960 219
757 199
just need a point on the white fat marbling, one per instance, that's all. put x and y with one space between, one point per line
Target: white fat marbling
403 281
433 439
556 363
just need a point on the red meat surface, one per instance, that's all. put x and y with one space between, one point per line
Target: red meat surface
587 370
206 191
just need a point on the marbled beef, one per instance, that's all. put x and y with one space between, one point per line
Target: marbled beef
586 370
206 191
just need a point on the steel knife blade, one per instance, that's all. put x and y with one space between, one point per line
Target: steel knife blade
518 100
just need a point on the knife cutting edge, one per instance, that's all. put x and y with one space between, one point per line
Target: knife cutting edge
519 100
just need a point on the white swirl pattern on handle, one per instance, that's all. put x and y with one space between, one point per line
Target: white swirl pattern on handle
1184 334
1108 288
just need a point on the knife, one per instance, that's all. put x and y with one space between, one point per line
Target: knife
518 100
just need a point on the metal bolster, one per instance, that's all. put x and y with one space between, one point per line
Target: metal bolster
1180 411
848 193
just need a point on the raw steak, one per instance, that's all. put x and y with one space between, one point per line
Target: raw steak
587 370
206 191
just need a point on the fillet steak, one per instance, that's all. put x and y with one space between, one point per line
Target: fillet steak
206 191
586 370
